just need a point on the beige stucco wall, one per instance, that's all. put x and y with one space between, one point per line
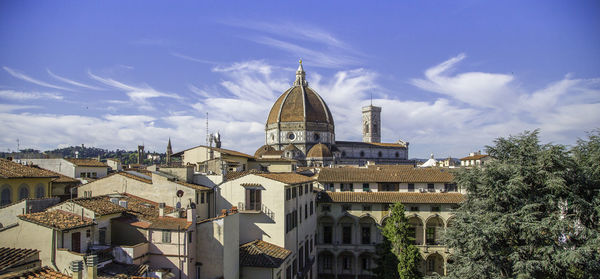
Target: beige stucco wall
217 248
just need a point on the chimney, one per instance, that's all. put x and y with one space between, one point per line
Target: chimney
92 267
161 209
191 214
77 268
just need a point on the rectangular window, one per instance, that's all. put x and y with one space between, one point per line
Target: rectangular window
366 235
346 207
166 236
300 215
288 272
346 264
305 211
295 266
366 208
94 175
347 234
190 237
300 192
295 216
82 174
365 264
300 257
294 192
311 245
288 194
386 207
330 187
306 188
435 208
253 199
306 253
366 187
346 187
326 208
326 261
411 187
430 187
201 197
389 187
88 233
414 208
430 235
327 234
450 187
311 208
102 235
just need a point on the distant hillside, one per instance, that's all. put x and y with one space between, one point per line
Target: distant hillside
126 157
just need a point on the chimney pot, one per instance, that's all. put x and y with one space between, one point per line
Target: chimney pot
76 268
92 266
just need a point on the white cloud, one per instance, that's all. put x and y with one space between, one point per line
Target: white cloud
137 94
72 82
23 96
474 88
27 78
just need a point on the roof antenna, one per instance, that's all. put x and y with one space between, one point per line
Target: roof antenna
371 98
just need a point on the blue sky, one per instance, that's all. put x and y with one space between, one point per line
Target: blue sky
450 75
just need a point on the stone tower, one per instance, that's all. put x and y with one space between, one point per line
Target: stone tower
140 157
371 123
169 152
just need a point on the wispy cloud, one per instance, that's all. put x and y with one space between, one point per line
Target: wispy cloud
137 94
27 78
10 108
72 82
23 96
189 58
317 46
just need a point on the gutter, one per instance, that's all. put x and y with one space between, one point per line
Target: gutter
53 250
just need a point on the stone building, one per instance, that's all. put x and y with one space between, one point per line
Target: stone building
355 202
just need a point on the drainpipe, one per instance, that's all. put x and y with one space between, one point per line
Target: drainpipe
53 250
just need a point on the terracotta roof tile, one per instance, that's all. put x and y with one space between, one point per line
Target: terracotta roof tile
122 270
40 273
86 162
474 157
260 253
410 175
11 257
9 169
138 178
192 185
286 177
389 197
237 174
100 205
169 223
319 151
57 219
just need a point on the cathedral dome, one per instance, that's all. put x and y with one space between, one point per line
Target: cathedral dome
319 151
300 103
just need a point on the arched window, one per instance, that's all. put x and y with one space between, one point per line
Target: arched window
5 196
379 154
317 137
343 153
23 192
397 154
40 191
362 154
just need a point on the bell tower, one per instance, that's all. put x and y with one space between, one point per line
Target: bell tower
371 121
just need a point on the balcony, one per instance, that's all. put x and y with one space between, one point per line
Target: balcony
256 208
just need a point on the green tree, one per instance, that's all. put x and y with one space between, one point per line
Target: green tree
398 241
532 212
386 262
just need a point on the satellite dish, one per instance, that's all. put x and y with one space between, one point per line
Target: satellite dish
180 193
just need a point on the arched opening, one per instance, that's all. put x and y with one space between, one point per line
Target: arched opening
368 230
365 264
416 229
379 154
346 230
397 154
40 191
325 228
23 191
362 154
346 265
434 264
5 195
343 153
434 231
326 264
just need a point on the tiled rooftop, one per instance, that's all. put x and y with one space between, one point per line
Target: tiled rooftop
260 253
169 223
86 162
389 197
10 257
9 169
286 177
120 270
385 174
40 273
193 186
57 219
221 150
474 157
100 205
